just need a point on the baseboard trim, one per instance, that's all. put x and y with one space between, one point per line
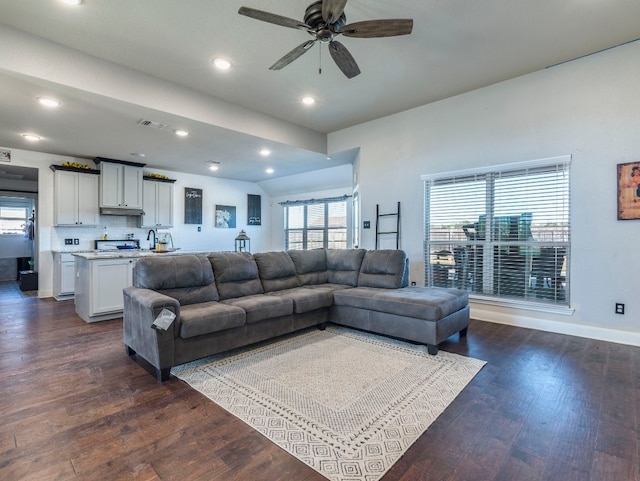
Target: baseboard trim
590 332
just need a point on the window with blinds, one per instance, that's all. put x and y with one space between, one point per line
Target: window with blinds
501 234
316 225
14 214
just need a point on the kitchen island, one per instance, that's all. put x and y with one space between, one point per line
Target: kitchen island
100 278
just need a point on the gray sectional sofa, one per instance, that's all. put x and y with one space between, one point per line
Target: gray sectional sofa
230 299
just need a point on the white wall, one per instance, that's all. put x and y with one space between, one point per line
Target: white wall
215 191
587 108
221 192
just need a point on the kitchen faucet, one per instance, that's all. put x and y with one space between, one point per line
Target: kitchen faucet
155 239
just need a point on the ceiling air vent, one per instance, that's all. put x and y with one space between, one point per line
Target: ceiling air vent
152 125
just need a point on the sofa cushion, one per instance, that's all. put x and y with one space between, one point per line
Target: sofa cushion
236 274
328 286
343 266
277 271
305 299
383 268
428 303
208 317
311 265
187 278
260 306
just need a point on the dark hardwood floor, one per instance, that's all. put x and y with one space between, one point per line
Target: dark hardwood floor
74 407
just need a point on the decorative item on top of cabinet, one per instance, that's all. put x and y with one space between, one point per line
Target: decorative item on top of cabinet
75 196
120 186
157 202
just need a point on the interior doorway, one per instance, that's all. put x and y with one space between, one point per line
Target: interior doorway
18 231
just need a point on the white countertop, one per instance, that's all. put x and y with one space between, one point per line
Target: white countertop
130 253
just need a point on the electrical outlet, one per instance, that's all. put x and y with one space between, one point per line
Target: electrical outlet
76 242
366 224
619 308
68 242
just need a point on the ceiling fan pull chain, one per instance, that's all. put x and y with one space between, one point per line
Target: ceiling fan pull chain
320 61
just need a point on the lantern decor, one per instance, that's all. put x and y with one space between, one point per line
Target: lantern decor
243 243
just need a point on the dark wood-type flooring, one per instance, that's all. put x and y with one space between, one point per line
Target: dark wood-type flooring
73 406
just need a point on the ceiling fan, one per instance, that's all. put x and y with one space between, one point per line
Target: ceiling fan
324 20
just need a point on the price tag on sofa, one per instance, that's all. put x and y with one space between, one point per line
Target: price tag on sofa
164 320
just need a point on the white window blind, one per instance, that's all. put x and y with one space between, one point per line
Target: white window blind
501 233
13 219
316 224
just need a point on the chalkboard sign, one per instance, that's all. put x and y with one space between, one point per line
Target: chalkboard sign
192 206
254 210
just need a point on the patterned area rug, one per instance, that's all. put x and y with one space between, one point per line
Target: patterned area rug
346 403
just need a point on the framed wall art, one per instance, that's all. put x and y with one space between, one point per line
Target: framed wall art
5 155
192 206
629 191
254 210
225 216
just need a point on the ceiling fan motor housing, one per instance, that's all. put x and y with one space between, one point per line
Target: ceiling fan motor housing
313 18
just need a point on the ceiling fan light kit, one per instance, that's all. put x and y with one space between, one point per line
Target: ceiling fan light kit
324 20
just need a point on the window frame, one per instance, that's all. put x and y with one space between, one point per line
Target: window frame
22 220
325 229
556 249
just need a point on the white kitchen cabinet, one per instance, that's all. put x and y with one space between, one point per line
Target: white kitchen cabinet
75 198
64 275
120 185
99 284
108 278
157 203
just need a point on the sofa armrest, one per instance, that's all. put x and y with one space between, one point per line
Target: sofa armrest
141 307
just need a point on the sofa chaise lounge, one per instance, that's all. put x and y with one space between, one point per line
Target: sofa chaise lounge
226 300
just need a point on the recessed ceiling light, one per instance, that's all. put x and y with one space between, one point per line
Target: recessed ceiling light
308 100
221 63
48 102
214 165
32 137
265 152
181 133
269 170
138 154
72 2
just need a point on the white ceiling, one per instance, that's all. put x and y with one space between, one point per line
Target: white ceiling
456 46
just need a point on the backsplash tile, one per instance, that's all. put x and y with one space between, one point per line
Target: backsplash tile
118 227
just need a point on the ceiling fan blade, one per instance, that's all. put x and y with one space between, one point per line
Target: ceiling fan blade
343 59
294 54
332 9
273 18
378 28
